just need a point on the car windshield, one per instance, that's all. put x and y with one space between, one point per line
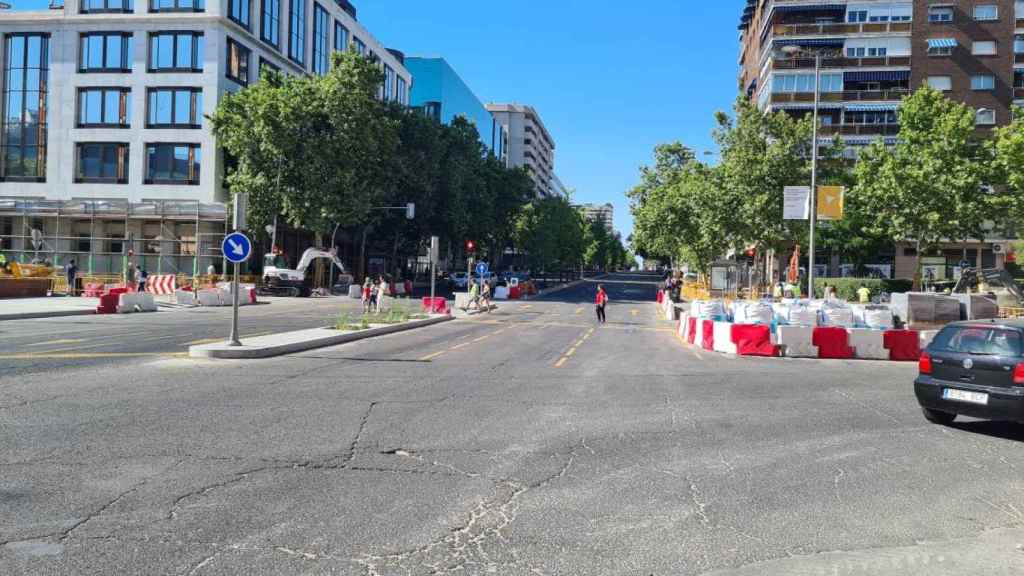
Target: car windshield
978 340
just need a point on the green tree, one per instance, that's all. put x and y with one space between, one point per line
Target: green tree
931 184
550 231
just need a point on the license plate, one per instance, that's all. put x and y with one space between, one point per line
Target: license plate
965 396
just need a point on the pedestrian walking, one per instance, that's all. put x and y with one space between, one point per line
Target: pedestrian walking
600 302
474 295
485 296
382 292
140 279
72 276
367 295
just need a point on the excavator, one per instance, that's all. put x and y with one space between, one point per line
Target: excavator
999 282
279 280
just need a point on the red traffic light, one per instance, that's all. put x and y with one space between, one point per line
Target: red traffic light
470 246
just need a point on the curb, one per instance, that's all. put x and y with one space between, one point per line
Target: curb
58 314
303 340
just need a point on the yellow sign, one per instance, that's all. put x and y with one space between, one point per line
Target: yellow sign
830 202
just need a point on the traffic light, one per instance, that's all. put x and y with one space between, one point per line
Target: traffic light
470 246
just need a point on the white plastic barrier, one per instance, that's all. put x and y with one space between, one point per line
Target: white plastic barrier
355 291
208 297
501 293
145 302
698 338
723 338
684 322
185 298
797 341
462 300
926 337
126 303
868 343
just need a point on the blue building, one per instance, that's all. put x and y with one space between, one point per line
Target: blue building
442 94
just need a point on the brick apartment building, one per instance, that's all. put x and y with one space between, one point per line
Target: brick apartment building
875 52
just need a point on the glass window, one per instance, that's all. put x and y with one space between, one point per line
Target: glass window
340 37
983 48
26 70
177 5
101 6
943 83
940 50
360 46
940 14
1018 44
172 163
270 23
855 16
105 52
983 82
238 62
297 31
321 32
985 117
104 107
403 95
240 11
174 108
176 52
986 12
389 83
104 162
978 340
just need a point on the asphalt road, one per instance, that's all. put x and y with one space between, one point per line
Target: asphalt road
528 441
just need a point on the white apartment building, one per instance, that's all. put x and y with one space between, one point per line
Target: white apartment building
605 212
104 136
529 143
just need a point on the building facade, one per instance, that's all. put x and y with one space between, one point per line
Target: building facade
441 93
529 145
105 140
604 212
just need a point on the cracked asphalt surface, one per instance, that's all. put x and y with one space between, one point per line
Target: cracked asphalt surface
528 441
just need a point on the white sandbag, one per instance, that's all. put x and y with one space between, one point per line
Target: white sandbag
836 314
802 316
185 297
707 309
146 302
723 338
875 316
796 341
126 303
752 313
868 343
780 313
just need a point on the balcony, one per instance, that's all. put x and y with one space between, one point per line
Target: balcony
805 63
859 129
1018 57
1018 92
847 96
839 28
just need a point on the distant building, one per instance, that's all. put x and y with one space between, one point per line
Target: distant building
442 94
529 143
558 188
599 211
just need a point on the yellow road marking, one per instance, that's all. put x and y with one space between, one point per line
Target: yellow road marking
62 341
634 312
432 356
561 362
84 355
204 341
579 310
463 345
525 306
482 338
570 352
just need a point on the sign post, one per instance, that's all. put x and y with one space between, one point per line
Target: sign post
236 249
434 253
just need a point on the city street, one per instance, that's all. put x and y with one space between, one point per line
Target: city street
530 441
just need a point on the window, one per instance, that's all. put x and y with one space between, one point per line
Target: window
176 52
240 11
321 40
983 82
104 107
877 51
855 16
985 117
174 108
978 340
360 46
101 162
177 5
270 23
874 117
986 12
805 83
943 83
172 164
983 48
856 52
389 83
267 65
940 50
940 14
879 18
105 52
297 31
105 6
238 62
403 94
340 37
26 73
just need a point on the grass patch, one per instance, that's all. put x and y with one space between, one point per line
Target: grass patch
397 314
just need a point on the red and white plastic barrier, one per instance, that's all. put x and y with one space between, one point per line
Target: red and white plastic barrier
797 341
161 284
832 342
723 338
868 344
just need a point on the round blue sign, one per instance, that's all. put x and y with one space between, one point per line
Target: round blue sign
481 269
236 247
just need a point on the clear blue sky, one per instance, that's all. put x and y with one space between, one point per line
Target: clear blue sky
610 79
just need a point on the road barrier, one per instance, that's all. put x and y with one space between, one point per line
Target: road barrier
868 344
161 284
723 338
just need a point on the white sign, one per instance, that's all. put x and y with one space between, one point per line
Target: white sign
796 203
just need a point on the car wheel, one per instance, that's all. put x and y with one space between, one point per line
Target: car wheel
937 416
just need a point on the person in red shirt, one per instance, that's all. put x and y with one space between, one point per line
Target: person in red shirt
600 301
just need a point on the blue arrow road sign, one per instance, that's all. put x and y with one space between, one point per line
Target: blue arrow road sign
481 269
236 247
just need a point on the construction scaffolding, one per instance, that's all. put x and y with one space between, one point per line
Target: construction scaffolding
107 236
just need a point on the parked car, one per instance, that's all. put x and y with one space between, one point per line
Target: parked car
973 368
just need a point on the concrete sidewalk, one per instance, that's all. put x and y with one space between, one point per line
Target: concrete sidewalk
46 307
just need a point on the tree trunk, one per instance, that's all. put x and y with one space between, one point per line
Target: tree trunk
917 268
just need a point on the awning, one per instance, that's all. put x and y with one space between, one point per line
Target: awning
812 7
830 42
877 76
806 106
871 107
942 43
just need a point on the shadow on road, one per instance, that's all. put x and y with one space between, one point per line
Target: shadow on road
1004 430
